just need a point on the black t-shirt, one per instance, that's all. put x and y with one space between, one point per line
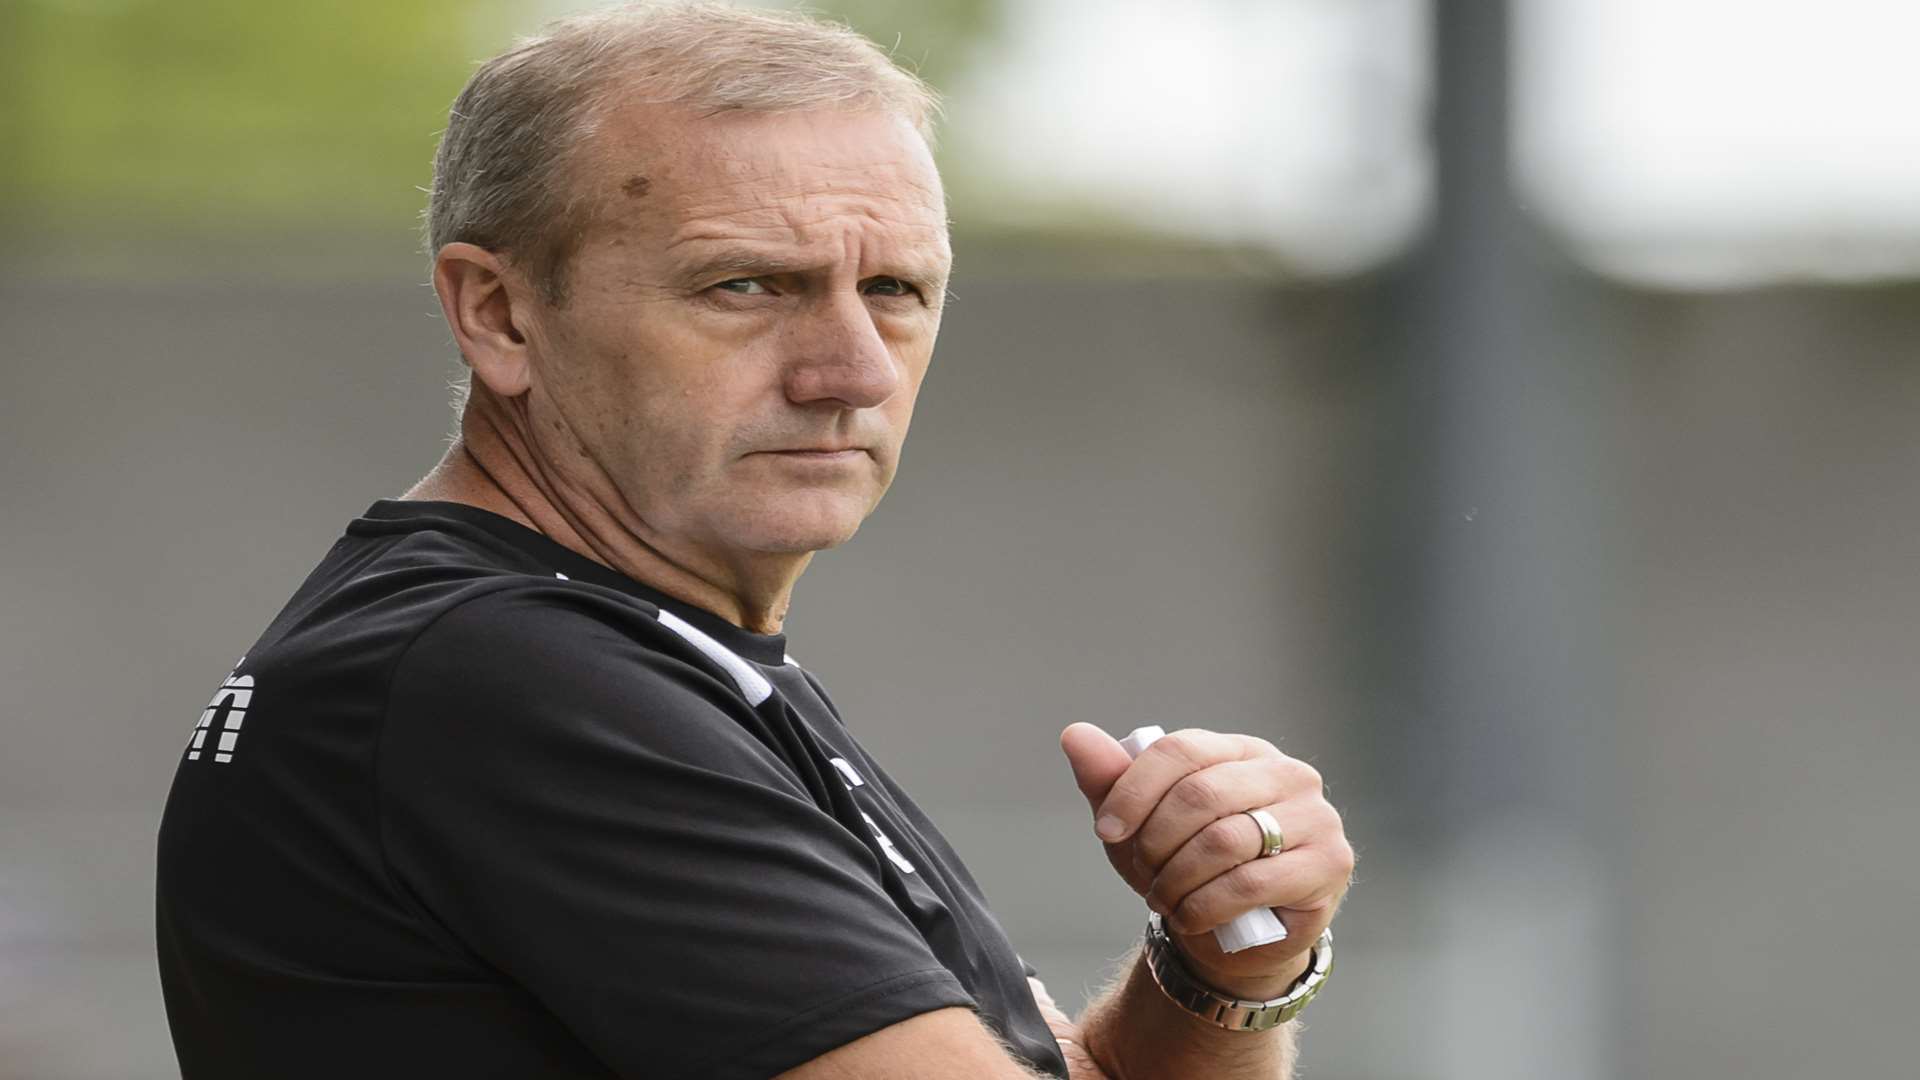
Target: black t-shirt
476 806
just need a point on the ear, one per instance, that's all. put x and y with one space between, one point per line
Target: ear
487 319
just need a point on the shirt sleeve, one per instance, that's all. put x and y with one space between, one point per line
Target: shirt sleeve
598 821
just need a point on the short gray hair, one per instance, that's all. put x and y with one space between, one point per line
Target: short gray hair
500 177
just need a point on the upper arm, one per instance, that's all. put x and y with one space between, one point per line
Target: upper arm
946 1044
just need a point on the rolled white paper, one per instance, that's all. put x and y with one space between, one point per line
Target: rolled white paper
1257 927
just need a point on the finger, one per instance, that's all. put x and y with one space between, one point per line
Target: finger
1096 758
1308 880
1200 799
1161 766
1235 839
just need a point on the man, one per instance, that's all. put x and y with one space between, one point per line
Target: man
521 782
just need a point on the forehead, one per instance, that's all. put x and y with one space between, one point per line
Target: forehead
678 176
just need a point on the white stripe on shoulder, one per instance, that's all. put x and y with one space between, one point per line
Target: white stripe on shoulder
752 684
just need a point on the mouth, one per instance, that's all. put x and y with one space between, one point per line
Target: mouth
818 456
819 453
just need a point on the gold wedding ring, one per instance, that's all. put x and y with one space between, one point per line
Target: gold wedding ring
1272 840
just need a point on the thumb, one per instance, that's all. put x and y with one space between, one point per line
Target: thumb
1097 760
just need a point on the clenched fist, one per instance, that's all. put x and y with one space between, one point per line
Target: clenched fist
1174 827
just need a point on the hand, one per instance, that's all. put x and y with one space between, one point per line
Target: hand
1174 830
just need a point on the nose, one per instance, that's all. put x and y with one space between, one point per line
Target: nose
839 355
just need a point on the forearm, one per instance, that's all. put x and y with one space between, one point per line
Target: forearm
1135 1033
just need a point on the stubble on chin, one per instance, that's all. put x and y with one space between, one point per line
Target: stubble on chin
800 522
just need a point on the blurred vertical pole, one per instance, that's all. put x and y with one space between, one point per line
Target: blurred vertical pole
1505 749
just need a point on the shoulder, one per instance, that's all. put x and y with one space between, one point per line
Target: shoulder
534 635
537 662
565 625
533 618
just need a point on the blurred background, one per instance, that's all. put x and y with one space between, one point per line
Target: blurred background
1509 407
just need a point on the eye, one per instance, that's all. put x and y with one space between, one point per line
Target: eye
888 286
745 286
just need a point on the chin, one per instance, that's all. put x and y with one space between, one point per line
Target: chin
799 545
798 540
794 530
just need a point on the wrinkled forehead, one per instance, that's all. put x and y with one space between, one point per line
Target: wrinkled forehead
667 173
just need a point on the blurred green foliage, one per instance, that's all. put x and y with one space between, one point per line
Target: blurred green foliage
227 114
131 119
181 138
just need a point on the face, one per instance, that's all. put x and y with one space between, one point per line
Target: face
746 326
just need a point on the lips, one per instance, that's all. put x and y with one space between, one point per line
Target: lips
818 457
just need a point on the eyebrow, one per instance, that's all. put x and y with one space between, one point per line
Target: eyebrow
748 262
745 262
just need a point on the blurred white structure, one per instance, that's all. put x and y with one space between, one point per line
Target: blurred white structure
1297 126
1716 143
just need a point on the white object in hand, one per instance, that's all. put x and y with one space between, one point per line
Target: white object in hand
1257 927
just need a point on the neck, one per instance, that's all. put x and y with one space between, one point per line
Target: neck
496 466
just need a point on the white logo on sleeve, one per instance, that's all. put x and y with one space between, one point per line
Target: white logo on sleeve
229 704
852 779
847 774
886 845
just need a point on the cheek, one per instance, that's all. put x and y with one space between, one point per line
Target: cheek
678 437
900 409
662 445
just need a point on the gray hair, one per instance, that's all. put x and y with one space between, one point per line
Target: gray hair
501 175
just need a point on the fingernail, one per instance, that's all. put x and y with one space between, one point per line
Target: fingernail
1110 828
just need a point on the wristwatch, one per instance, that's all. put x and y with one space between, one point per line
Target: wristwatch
1171 975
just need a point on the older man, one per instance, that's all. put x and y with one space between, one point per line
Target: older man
521 783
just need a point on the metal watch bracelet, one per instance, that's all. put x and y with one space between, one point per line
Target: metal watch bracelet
1235 1014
